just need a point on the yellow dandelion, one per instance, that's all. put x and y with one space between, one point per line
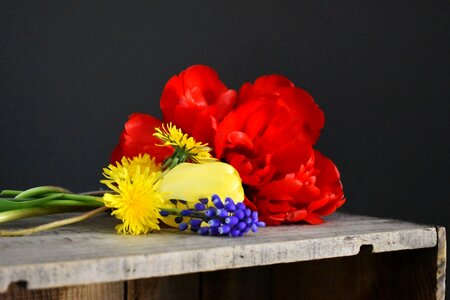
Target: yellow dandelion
136 200
186 147
127 167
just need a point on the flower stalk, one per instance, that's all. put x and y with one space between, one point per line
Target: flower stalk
41 201
55 224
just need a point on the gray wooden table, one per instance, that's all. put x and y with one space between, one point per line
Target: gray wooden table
348 257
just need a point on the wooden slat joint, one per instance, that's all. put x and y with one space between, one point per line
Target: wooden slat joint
441 262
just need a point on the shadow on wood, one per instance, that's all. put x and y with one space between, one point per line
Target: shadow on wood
406 274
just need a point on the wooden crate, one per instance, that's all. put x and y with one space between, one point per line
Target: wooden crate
348 257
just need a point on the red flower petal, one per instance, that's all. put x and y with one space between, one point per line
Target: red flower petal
240 140
137 138
264 85
282 189
195 101
313 219
305 111
296 216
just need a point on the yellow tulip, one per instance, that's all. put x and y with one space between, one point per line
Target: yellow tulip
191 182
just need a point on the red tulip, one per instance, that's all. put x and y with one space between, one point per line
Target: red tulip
299 104
137 138
196 101
315 190
268 138
263 86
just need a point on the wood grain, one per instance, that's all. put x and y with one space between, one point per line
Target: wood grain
441 263
407 274
186 287
104 291
238 284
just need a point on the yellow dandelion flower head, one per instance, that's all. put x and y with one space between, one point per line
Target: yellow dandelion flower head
135 200
128 167
184 144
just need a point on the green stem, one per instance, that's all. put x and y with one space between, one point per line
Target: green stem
172 211
74 203
60 196
17 200
14 193
42 190
177 212
82 198
99 192
17 214
54 224
6 205
10 193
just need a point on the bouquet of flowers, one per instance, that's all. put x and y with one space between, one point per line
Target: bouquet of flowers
220 162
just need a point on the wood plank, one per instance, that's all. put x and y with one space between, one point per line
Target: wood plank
395 275
106 291
441 263
186 287
91 252
238 284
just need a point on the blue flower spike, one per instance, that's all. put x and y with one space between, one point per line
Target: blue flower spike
203 231
232 220
217 201
195 222
241 206
199 206
211 212
185 212
222 213
217 218
240 214
214 223
224 229
229 205
164 213
183 226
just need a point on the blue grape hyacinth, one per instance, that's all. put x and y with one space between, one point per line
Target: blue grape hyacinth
225 218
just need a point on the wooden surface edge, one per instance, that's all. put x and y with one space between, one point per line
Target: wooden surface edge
110 269
441 261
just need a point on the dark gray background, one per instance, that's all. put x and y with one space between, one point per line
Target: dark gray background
72 72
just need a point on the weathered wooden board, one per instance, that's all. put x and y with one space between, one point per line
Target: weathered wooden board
186 287
91 252
99 291
408 275
441 262
255 283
